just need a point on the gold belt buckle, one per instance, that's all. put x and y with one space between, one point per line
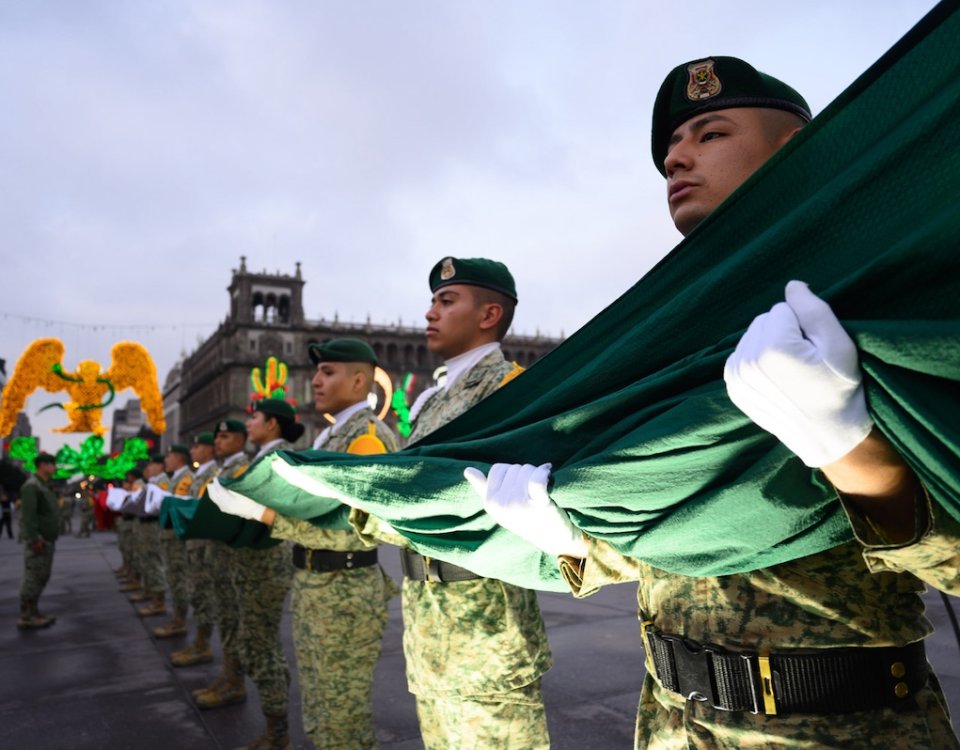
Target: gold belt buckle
766 685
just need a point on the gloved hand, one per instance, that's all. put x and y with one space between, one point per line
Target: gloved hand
515 495
234 503
795 372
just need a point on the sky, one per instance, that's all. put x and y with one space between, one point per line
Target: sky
144 147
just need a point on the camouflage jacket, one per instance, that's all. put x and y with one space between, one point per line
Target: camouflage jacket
181 482
858 594
233 466
203 476
477 638
39 511
305 533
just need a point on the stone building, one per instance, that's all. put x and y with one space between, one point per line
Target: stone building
266 318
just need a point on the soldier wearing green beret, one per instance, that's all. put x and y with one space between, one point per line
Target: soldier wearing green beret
180 477
40 526
469 692
200 583
821 652
340 592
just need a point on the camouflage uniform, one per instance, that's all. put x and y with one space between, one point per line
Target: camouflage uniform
86 516
39 519
175 550
223 559
261 579
859 594
338 619
147 533
476 649
200 580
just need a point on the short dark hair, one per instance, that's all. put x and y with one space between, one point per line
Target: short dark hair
484 296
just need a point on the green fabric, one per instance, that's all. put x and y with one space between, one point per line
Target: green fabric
648 452
193 518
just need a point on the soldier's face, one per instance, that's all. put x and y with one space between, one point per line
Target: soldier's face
454 321
259 428
173 461
227 443
710 156
334 387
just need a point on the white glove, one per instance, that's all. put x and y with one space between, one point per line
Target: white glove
234 503
795 373
116 497
154 499
515 495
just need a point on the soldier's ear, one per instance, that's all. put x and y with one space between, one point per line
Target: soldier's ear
492 315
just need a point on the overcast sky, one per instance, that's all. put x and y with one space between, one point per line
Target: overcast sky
144 147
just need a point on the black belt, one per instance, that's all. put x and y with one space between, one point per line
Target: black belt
127 516
327 561
416 567
824 681
149 519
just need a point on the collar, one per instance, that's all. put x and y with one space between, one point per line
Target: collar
267 447
458 365
341 417
203 467
231 459
179 472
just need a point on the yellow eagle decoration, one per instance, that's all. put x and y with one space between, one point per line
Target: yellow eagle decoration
40 367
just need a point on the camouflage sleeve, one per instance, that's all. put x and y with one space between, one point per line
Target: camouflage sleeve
312 537
603 565
371 530
29 500
932 556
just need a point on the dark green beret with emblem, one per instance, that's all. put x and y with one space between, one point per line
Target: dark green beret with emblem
204 438
230 425
286 416
490 274
342 350
179 448
714 83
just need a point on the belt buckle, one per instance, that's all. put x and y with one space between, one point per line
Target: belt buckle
431 570
308 559
761 679
693 662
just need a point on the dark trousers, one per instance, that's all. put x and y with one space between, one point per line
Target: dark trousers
6 520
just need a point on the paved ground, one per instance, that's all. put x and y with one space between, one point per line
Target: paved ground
98 680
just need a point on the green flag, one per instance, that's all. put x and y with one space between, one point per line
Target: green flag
648 453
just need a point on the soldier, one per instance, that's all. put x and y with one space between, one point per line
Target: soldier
340 592
230 437
176 464
40 524
842 630
199 575
125 525
466 696
86 511
263 578
147 534
66 515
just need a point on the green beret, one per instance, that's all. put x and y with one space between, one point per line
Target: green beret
135 473
342 350
490 274
157 459
45 458
285 414
715 83
179 448
204 438
230 425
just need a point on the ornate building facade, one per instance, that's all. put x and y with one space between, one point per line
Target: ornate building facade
266 318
